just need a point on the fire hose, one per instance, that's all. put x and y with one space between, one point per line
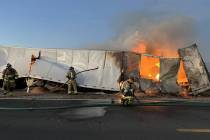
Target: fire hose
77 74
87 70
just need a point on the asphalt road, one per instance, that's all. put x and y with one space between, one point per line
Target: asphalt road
101 123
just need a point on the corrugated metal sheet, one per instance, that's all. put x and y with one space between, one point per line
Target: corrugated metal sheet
195 69
54 64
168 75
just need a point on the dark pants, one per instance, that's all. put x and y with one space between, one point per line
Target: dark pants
9 85
129 93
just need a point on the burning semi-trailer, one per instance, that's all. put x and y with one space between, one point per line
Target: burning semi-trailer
167 74
174 72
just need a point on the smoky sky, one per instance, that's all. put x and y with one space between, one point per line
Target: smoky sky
159 31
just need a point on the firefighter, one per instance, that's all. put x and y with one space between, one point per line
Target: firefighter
128 87
9 76
71 75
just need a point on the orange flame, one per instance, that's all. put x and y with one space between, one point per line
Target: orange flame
150 66
182 77
159 50
141 48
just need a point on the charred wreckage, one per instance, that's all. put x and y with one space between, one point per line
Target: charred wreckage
168 75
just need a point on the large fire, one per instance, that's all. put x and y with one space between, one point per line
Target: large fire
150 65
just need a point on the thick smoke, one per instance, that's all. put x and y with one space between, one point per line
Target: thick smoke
159 36
160 33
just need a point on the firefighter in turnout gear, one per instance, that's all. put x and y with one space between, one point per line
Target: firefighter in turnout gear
128 89
9 76
71 75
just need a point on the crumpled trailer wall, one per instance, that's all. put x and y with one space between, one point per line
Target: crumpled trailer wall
54 63
195 68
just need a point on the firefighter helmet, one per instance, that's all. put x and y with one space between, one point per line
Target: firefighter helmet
71 68
9 65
